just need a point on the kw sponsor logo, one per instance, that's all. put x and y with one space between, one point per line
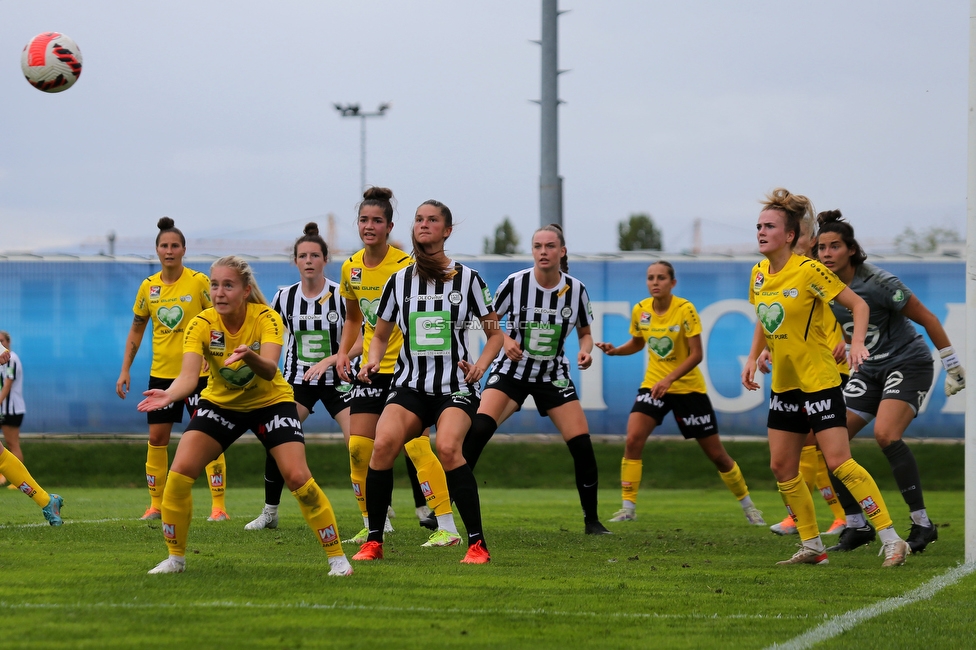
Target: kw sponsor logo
697 420
217 417
150 480
193 401
169 531
816 407
327 535
776 404
279 422
647 399
869 506
365 391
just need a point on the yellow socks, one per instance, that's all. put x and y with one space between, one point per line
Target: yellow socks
17 475
826 489
808 466
360 451
866 491
318 513
177 511
630 478
799 503
217 478
430 473
157 462
734 480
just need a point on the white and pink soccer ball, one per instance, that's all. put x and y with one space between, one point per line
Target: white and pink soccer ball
51 62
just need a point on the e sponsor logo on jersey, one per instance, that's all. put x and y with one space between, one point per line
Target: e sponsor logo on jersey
356 275
758 283
217 340
154 291
486 295
430 333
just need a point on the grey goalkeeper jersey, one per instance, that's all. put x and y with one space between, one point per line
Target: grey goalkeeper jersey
891 339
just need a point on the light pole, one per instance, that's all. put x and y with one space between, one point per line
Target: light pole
352 110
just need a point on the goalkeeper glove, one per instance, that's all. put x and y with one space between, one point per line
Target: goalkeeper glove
955 379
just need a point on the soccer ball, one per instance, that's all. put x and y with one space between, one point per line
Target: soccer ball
51 62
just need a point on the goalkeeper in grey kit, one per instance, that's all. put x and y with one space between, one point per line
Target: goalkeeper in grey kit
891 385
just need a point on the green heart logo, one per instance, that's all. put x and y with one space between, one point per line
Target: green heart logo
660 346
170 316
240 377
369 307
771 316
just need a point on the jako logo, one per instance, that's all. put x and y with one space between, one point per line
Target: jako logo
869 506
210 415
150 480
697 420
817 407
425 488
169 531
327 535
775 404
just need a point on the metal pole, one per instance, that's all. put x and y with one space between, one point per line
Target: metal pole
970 448
550 183
362 153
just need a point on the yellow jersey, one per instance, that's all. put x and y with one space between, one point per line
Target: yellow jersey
170 308
789 305
236 386
667 342
835 335
365 285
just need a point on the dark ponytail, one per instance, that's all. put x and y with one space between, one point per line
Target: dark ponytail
165 225
426 266
556 228
311 235
833 221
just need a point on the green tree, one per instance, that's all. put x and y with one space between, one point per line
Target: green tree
927 241
639 233
506 239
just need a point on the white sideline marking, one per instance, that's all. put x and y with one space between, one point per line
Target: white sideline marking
44 524
224 604
855 617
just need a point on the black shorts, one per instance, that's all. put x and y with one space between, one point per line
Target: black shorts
799 412
547 394
908 382
334 398
429 407
173 413
12 420
692 411
273 425
370 398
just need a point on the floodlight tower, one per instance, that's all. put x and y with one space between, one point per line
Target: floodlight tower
550 182
352 110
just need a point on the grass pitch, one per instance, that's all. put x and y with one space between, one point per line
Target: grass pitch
689 573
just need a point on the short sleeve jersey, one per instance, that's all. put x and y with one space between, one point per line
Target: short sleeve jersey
365 286
434 318
788 305
236 387
891 337
313 328
12 374
171 307
539 320
667 342
835 336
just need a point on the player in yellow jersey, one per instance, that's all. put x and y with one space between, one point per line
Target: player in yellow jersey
363 277
170 299
240 338
813 467
806 393
18 476
671 330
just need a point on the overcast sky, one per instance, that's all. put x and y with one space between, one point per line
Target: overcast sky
220 115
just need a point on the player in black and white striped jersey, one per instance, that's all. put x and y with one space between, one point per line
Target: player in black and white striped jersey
313 315
542 306
433 302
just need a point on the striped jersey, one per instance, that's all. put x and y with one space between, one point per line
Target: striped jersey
313 329
539 320
434 318
12 373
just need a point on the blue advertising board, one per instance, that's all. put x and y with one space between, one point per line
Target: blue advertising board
69 318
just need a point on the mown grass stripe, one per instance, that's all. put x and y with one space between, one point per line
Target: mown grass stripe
848 620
